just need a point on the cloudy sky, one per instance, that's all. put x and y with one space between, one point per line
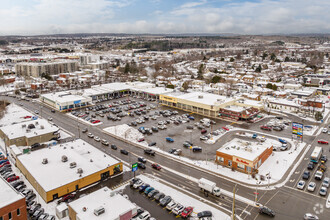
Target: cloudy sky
28 17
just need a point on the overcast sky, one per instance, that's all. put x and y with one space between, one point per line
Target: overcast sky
28 17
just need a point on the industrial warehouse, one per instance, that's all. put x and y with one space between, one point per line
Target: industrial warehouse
61 169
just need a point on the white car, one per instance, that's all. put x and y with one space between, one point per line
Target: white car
178 209
327 204
323 191
90 135
96 138
324 130
309 216
137 184
311 186
301 184
171 205
144 216
50 119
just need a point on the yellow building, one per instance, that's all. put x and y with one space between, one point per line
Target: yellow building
65 168
212 105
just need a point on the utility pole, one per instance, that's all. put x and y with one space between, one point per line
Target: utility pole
233 207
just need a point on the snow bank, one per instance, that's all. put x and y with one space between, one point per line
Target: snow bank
125 131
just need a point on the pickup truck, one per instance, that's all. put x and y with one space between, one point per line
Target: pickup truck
318 175
149 152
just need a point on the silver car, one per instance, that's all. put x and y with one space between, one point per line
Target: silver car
323 191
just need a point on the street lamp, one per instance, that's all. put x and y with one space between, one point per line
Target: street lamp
256 192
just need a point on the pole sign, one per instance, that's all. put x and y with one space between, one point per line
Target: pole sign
134 167
297 130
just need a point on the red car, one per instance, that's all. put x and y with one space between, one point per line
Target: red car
7 162
264 127
322 142
203 131
25 117
66 198
187 212
13 178
225 128
156 166
96 121
141 139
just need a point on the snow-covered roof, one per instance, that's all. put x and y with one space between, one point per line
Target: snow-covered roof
156 90
247 150
8 194
205 98
14 114
114 204
65 97
56 173
41 127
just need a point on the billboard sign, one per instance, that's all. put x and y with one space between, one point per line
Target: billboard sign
134 167
297 130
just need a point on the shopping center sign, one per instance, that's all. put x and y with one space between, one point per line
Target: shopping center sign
297 131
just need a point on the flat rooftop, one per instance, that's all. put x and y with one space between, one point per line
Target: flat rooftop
56 173
205 98
41 127
8 194
248 150
114 205
14 114
65 97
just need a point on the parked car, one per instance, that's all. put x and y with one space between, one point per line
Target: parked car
178 209
326 182
152 144
204 214
311 186
105 142
13 178
90 135
141 165
267 211
143 187
156 166
66 198
152 193
301 184
144 216
84 130
37 213
306 175
187 212
310 166
203 131
159 196
168 139
309 216
323 191
197 149
324 159
264 127
171 205
96 138
164 201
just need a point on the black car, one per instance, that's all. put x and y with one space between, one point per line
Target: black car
125 152
149 152
324 159
152 144
306 175
141 165
114 147
277 128
279 118
31 197
17 183
142 160
310 166
53 111
204 214
267 211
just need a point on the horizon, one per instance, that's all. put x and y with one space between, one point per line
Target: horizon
160 17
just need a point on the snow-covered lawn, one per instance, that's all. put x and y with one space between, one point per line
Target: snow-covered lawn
125 131
184 198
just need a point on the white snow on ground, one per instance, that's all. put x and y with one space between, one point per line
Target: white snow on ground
82 120
64 134
310 131
184 199
277 164
125 131
7 88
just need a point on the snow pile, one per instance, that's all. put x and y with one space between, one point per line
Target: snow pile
310 130
125 131
184 199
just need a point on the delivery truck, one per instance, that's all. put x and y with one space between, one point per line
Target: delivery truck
209 186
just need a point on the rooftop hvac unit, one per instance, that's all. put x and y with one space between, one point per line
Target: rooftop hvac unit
28 130
91 160
64 158
37 123
42 127
73 165
79 170
45 161
23 125
112 193
200 96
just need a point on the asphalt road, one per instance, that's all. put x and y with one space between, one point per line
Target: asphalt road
286 201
